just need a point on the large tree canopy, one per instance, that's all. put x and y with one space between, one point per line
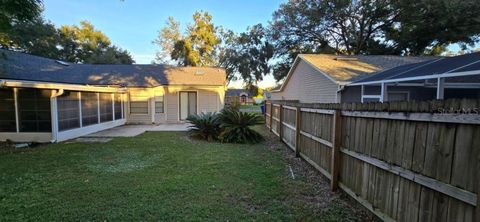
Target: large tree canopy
78 44
15 11
247 54
429 26
398 27
196 47
85 44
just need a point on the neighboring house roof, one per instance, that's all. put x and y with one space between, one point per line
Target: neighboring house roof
465 64
236 92
347 68
21 66
344 69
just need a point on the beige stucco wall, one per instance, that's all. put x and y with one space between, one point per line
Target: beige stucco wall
209 99
309 86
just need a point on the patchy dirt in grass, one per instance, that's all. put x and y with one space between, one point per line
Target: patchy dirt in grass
315 189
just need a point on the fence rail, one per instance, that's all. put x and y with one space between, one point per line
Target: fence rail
407 161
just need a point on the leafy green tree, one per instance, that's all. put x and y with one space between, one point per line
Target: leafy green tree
36 37
78 44
195 48
247 54
167 37
15 11
110 55
429 26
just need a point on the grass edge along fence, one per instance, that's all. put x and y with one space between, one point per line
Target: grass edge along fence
404 161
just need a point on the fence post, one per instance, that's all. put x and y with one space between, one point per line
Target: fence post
280 118
298 121
271 115
336 138
477 208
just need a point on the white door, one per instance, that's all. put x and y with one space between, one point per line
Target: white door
188 104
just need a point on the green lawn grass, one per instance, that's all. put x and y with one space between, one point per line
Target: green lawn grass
155 176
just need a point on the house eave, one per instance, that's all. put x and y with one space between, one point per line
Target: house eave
51 85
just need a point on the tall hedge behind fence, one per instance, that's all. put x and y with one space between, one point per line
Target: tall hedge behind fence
405 161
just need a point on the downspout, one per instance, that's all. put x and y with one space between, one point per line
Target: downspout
53 110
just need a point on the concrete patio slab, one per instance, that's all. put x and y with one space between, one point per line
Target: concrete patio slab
135 130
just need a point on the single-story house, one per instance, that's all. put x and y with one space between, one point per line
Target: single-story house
241 96
441 78
321 78
45 100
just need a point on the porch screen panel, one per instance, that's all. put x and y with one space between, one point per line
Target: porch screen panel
89 108
7 111
118 106
34 110
68 111
106 110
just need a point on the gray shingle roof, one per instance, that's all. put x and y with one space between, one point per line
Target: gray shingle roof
21 66
350 68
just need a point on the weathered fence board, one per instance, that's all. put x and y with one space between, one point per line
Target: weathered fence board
408 161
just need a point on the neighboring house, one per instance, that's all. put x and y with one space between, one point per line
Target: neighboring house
240 96
45 100
321 78
442 78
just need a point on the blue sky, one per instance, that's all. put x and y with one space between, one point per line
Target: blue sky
133 24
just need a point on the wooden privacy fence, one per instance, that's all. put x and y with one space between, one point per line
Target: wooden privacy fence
406 161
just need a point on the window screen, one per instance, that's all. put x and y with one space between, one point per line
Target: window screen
34 110
7 111
89 108
106 110
118 106
68 111
159 104
138 104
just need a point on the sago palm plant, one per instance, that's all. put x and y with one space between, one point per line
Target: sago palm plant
236 125
204 126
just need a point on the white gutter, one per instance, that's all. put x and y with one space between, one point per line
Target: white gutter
55 86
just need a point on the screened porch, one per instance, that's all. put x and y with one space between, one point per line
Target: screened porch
49 115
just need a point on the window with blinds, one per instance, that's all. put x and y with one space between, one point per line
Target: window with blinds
68 111
34 110
89 108
138 104
106 109
7 111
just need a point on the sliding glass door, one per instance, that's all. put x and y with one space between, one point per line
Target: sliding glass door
188 104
